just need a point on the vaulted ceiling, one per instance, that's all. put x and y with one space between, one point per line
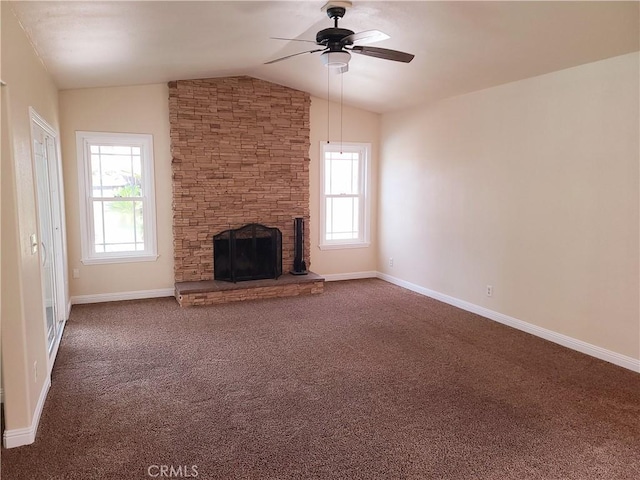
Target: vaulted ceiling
459 46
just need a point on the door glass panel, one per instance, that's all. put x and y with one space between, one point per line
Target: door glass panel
46 229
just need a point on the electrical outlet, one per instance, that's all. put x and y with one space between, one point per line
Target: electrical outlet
76 273
35 371
391 261
489 290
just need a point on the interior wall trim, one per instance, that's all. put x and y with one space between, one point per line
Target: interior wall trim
334 277
25 436
555 337
117 296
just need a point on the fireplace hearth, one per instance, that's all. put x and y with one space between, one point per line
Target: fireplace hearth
252 252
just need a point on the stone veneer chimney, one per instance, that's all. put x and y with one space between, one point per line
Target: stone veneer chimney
240 150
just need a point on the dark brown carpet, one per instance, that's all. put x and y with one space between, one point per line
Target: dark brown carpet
365 381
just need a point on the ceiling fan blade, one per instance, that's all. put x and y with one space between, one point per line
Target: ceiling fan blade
292 39
384 53
294 55
368 36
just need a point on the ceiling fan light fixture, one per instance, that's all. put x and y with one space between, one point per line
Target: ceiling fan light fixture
336 59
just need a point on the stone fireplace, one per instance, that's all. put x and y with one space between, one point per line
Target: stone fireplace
240 150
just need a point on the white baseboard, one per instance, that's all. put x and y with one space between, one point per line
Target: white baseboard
25 436
334 277
559 338
114 297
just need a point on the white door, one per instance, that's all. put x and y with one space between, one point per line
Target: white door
48 195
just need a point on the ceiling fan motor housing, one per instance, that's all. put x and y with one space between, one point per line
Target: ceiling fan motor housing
332 37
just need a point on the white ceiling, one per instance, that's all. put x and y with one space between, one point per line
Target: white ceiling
459 46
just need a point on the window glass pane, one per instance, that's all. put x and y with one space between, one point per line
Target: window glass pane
115 149
130 189
114 174
356 218
96 178
342 218
355 174
98 226
342 181
119 226
123 226
327 174
342 155
328 217
139 230
120 247
94 148
342 173
116 165
136 162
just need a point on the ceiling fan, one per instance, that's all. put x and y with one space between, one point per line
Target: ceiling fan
338 43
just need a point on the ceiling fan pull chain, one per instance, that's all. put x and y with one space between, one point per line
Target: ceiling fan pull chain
341 97
328 108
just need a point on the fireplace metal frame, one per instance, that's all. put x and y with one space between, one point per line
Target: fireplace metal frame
253 232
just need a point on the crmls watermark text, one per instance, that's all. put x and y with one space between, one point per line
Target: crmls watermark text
172 471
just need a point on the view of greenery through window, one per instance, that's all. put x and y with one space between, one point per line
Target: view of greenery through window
117 198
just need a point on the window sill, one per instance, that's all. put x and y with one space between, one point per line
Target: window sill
340 246
124 259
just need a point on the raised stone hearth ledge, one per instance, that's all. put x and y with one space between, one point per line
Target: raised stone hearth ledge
215 292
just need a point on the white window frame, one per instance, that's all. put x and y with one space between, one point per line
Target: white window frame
84 140
364 149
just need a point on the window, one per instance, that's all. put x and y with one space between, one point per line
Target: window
344 195
117 201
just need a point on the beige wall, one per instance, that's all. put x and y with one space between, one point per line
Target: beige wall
134 109
357 126
144 109
23 323
532 187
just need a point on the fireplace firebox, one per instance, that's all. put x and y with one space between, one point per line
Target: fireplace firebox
252 252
